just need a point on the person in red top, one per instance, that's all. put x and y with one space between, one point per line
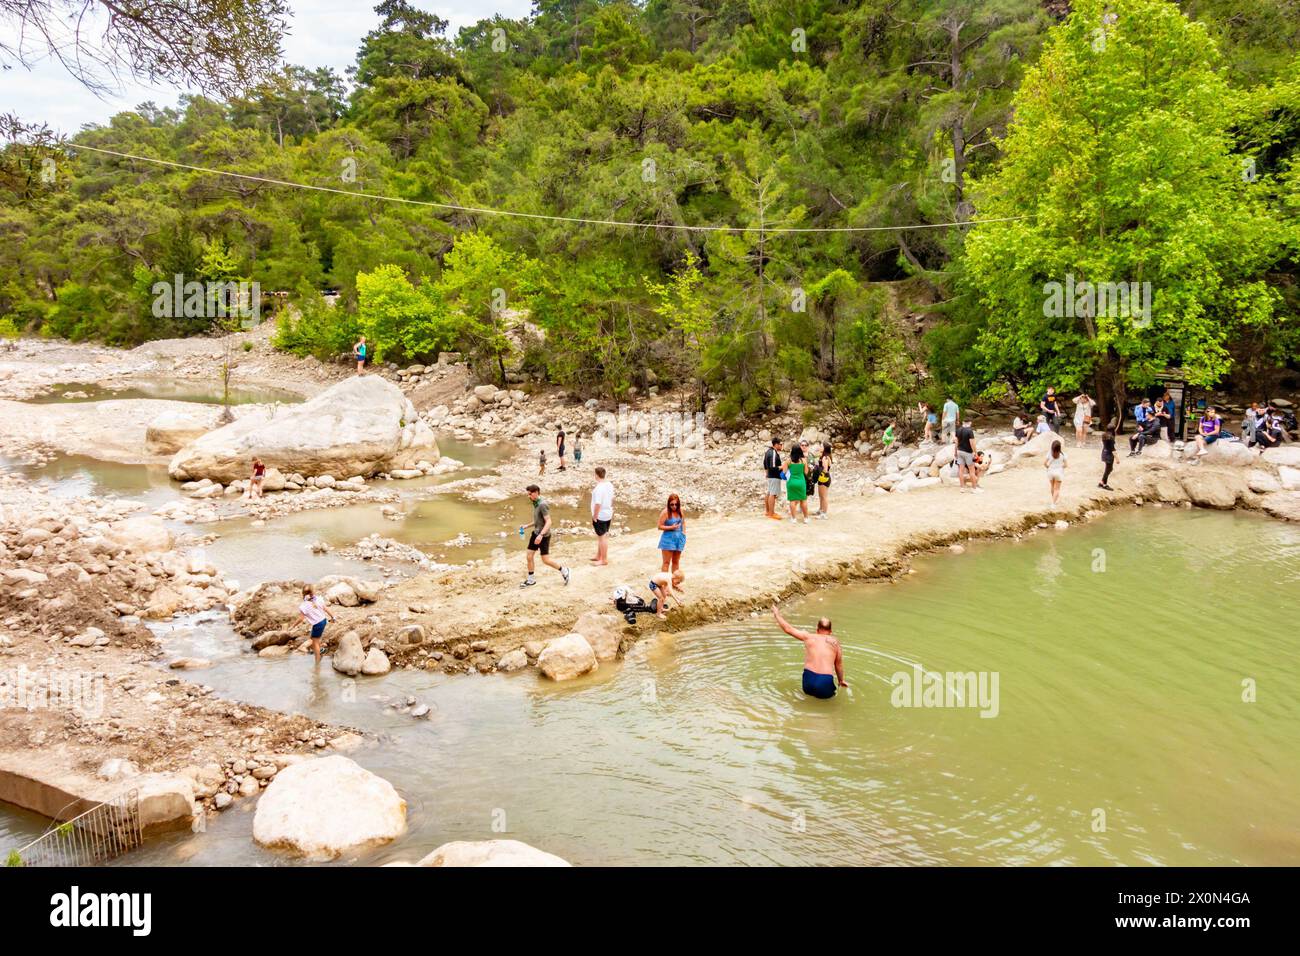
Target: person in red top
255 482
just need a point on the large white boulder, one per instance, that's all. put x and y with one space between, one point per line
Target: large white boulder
360 426
603 631
376 663
1282 455
141 534
1261 482
490 853
512 661
1158 451
567 657
1036 447
171 431
163 798
1211 489
325 807
1226 453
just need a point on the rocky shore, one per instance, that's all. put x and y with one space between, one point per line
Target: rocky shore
81 674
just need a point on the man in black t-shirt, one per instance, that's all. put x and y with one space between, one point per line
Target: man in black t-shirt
772 467
1051 408
965 439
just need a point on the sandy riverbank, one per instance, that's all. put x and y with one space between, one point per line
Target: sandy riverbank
739 563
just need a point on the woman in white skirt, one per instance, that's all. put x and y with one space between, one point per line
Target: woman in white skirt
1055 464
1083 406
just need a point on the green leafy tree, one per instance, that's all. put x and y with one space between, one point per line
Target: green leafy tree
484 287
395 316
1121 162
684 304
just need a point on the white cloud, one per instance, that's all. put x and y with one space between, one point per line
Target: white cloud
321 33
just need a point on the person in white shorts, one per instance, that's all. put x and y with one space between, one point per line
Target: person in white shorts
1055 464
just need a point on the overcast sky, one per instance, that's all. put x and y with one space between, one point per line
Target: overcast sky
321 33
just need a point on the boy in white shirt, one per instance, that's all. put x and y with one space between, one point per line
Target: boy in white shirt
602 513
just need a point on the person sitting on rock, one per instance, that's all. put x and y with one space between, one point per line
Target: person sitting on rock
1020 428
1269 433
1208 432
1148 432
1277 427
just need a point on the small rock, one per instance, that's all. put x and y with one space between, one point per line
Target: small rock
376 663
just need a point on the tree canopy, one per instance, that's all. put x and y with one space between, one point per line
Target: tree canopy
1139 141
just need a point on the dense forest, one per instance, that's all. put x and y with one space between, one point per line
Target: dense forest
1143 142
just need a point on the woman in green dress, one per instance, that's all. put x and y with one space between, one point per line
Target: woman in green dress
796 486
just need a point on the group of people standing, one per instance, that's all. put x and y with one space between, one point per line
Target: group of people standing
560 450
802 476
664 584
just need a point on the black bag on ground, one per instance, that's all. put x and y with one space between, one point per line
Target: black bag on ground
632 605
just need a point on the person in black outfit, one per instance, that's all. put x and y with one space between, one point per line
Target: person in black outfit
1268 434
772 469
1108 458
1148 432
1052 409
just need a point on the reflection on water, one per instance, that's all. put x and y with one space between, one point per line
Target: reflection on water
1120 694
76 476
18 827
175 390
430 524
250 551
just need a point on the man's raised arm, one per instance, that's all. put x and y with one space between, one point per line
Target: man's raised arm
797 634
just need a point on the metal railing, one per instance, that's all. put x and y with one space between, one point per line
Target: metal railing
99 834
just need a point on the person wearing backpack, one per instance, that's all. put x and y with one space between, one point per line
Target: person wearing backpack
820 478
772 467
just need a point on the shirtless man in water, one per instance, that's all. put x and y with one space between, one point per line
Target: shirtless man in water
823 659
